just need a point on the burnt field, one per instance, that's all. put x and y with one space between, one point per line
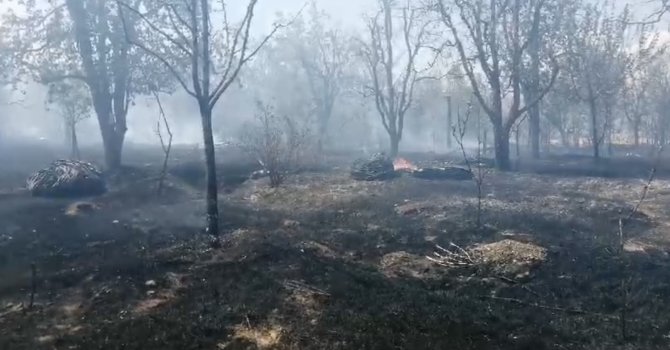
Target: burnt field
326 262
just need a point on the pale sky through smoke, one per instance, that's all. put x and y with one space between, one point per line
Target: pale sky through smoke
33 121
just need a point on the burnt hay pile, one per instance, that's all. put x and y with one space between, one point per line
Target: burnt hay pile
377 167
67 178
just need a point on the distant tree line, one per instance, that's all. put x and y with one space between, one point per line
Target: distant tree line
573 72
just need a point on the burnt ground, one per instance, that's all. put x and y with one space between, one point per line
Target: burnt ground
329 263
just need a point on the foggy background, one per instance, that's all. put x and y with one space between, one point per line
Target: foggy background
26 116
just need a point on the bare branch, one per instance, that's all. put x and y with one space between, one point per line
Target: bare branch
152 53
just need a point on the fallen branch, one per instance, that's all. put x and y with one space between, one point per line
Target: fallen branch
549 307
449 258
33 285
624 282
300 286
645 189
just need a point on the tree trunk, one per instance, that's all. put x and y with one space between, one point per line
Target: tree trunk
113 147
501 138
636 131
210 165
610 147
534 88
517 140
534 122
594 129
323 130
565 140
74 151
449 122
113 134
395 144
661 134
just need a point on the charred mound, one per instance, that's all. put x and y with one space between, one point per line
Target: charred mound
67 178
377 167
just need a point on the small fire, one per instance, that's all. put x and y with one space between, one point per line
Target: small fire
402 164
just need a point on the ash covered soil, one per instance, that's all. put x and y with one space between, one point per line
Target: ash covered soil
326 262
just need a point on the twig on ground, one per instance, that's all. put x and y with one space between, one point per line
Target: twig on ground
625 283
300 286
549 307
33 284
645 189
448 258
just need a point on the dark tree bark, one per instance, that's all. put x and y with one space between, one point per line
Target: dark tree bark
210 166
74 143
595 140
106 70
191 35
395 145
533 89
493 31
501 140
393 83
449 121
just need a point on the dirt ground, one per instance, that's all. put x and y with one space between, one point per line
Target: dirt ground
326 262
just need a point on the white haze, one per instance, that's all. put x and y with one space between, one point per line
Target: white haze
27 118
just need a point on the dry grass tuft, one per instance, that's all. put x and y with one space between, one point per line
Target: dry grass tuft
510 256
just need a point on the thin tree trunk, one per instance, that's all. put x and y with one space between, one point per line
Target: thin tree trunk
534 89
323 127
74 142
594 129
518 141
662 134
210 165
565 139
449 121
534 123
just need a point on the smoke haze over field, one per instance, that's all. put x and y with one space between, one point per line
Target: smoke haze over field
28 118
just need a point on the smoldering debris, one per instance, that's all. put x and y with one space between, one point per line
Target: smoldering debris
446 173
377 167
67 178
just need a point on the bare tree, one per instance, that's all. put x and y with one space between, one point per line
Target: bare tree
73 104
162 123
494 31
393 81
635 92
597 62
543 36
278 143
659 104
324 56
80 40
477 169
204 58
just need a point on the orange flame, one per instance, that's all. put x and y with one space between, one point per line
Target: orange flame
402 164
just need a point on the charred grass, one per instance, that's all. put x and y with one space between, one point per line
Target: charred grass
328 263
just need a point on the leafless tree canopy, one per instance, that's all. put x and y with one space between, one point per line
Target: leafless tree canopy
392 80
